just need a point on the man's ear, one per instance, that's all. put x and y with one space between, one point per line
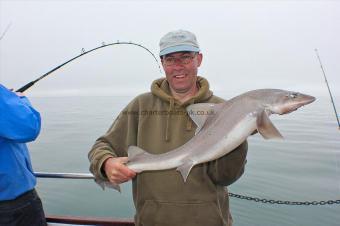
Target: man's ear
161 58
199 59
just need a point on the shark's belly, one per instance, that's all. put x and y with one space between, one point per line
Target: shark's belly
203 148
169 160
228 143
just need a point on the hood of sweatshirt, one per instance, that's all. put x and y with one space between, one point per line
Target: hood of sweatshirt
161 89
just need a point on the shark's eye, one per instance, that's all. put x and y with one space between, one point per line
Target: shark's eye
293 95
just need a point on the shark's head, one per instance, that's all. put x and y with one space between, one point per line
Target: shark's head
283 102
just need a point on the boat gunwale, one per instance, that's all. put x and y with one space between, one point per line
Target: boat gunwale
85 220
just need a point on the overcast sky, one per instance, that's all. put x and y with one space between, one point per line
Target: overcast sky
246 44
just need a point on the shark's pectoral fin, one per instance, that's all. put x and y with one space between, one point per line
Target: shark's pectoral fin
266 128
185 169
108 184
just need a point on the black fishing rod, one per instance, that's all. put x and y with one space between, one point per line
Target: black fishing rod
329 90
28 85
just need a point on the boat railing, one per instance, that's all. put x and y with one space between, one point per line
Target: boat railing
244 197
71 220
64 175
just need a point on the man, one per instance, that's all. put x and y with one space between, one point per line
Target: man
19 123
157 122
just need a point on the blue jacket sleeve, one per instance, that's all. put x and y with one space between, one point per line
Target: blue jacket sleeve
19 121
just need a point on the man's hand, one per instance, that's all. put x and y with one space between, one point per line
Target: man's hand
19 94
116 171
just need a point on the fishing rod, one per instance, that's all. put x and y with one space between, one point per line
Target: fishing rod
329 90
28 85
6 29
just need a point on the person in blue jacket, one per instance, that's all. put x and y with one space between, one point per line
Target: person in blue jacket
19 123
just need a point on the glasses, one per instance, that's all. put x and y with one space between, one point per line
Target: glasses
184 59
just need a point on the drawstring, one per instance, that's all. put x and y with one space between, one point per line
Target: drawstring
189 121
189 125
172 104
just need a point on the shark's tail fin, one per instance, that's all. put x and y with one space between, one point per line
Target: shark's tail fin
134 153
107 184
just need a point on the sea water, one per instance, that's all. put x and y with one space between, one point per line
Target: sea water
305 166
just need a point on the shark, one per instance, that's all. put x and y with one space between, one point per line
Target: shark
221 129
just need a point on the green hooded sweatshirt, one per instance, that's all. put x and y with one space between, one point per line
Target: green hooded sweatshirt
158 123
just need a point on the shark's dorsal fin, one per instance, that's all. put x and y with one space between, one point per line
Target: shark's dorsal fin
199 113
135 152
266 128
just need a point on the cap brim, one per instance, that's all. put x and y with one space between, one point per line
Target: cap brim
180 48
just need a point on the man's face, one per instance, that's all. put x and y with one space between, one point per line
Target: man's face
181 70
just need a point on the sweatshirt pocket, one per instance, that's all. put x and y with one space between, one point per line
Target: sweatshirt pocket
156 213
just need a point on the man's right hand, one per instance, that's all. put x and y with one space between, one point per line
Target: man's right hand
116 171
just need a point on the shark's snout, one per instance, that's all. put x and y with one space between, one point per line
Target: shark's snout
296 102
307 99
291 102
303 99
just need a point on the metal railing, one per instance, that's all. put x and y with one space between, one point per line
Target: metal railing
248 198
64 175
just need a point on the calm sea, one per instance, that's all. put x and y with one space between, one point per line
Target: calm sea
303 167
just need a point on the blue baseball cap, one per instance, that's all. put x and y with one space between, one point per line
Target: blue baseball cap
178 41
